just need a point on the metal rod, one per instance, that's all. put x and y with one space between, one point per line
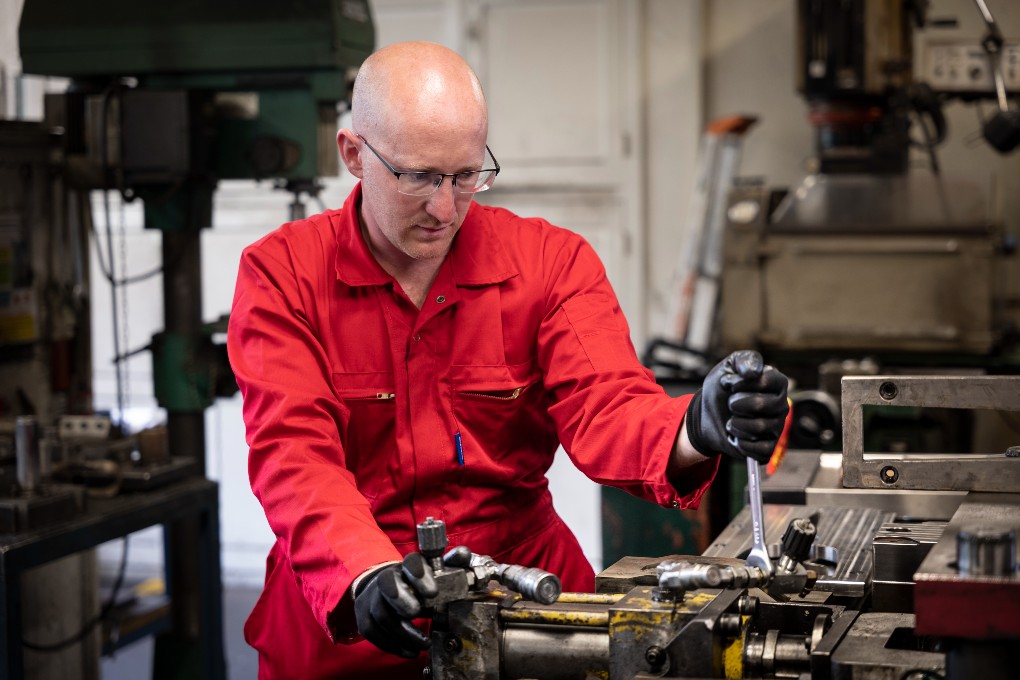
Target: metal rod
27 454
590 598
556 617
555 654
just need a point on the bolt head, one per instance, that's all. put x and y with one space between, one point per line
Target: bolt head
655 656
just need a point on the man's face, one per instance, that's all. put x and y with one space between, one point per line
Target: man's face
402 228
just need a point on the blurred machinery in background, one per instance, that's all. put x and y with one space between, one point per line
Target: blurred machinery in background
166 101
890 296
866 266
163 101
856 69
857 283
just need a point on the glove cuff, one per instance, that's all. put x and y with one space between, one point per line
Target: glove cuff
695 433
363 579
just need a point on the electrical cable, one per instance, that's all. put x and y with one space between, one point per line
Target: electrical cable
108 267
127 280
933 158
104 168
103 614
976 137
925 105
108 270
130 353
125 315
135 278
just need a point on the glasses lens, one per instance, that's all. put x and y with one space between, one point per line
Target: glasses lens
425 183
484 179
473 182
418 183
467 182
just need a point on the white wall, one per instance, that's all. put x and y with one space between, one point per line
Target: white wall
10 62
673 118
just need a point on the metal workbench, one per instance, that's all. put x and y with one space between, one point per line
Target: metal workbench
105 520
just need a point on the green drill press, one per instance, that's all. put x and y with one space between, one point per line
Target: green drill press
165 100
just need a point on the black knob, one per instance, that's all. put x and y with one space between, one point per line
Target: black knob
432 537
797 540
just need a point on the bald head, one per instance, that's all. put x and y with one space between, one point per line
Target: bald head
417 88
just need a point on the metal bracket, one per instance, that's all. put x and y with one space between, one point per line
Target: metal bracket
941 472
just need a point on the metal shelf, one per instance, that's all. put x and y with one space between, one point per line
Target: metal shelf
105 520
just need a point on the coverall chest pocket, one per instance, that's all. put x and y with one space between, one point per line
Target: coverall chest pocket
369 433
500 412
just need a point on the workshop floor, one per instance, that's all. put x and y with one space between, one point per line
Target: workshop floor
135 662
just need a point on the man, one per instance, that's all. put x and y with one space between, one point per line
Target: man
415 354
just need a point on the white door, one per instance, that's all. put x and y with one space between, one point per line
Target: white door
562 81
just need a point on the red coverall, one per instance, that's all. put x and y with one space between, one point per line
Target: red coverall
353 398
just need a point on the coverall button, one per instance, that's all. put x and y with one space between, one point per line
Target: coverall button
675 504
441 299
417 338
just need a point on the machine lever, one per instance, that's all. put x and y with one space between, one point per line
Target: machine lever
532 583
461 571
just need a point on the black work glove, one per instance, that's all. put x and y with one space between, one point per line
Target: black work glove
389 599
740 409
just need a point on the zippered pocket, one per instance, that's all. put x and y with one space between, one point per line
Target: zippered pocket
369 396
498 395
505 430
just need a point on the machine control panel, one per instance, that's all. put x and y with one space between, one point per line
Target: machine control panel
962 67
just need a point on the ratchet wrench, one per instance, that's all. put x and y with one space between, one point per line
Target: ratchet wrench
759 555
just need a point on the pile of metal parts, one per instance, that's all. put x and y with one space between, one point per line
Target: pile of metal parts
877 581
48 473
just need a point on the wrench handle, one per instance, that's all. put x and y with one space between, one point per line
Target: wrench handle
759 555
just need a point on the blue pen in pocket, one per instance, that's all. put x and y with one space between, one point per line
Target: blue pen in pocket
460 448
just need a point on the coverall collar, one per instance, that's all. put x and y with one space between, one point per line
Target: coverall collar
477 257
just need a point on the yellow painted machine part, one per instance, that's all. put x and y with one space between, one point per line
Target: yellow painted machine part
733 660
733 655
590 598
561 618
